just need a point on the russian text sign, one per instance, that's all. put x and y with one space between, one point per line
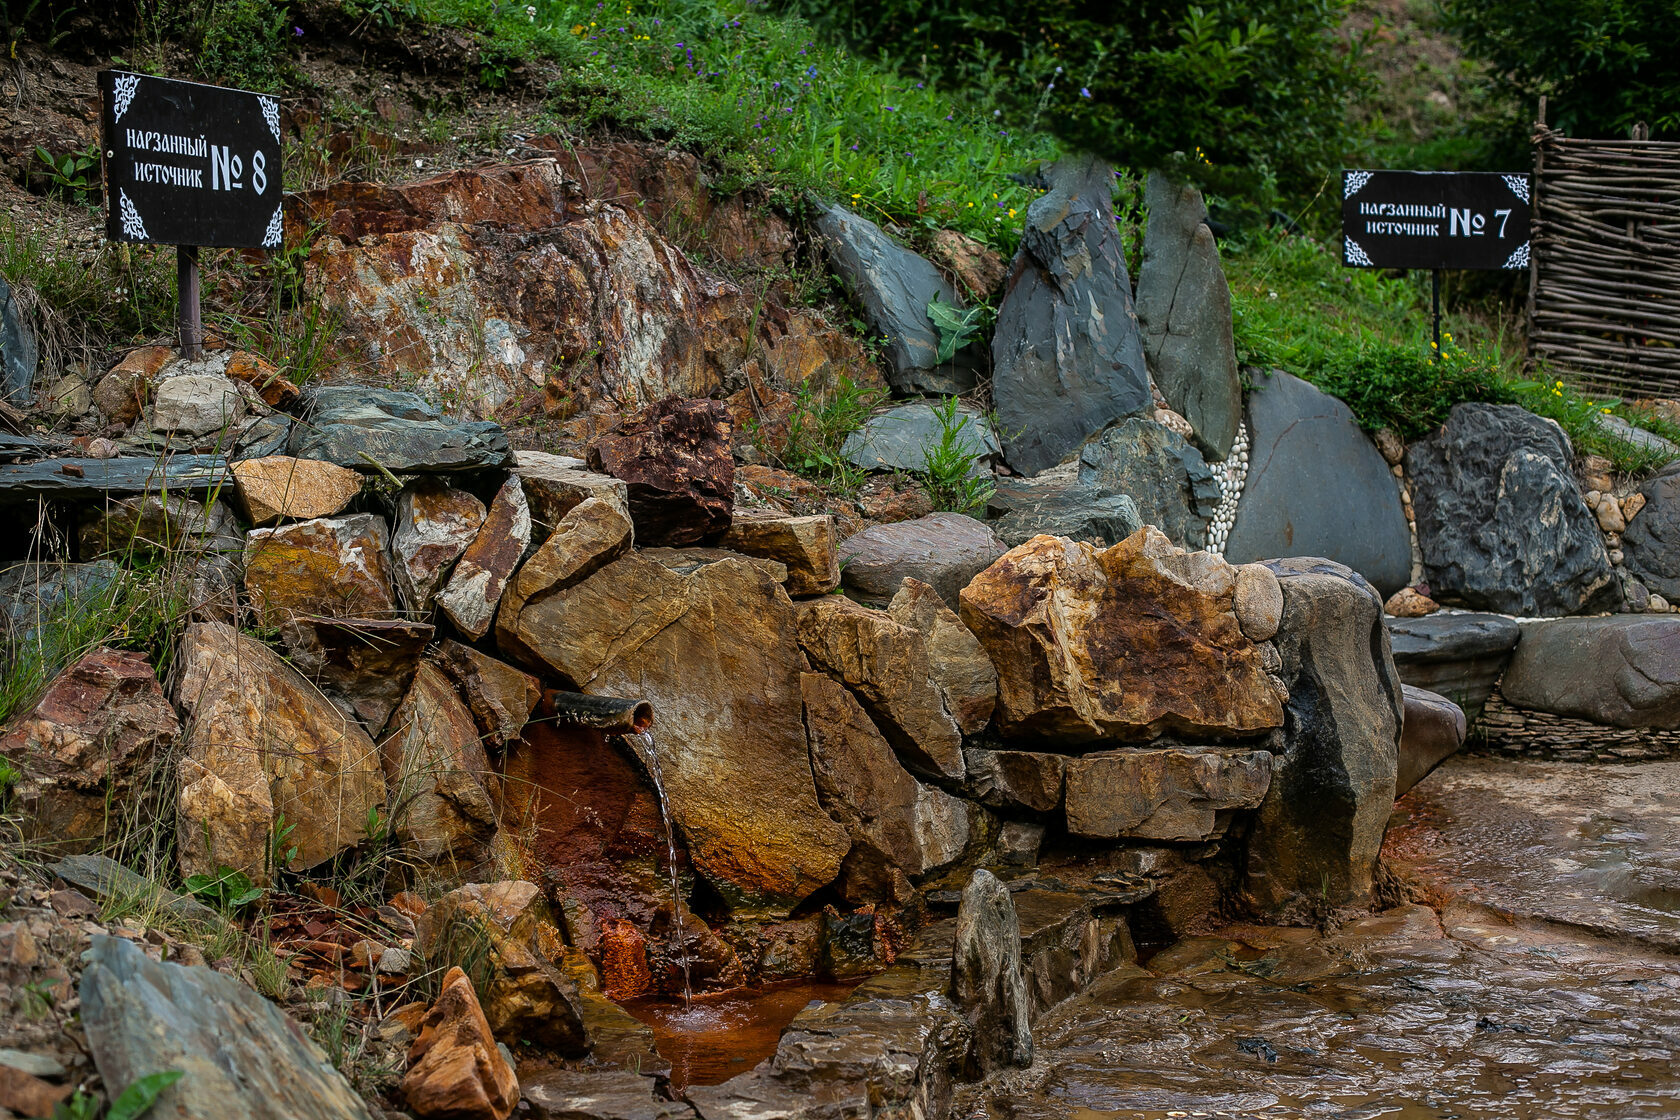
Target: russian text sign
1435 219
190 164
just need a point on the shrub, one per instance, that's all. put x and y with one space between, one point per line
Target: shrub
242 43
1404 388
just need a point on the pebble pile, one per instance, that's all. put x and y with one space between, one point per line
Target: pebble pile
1231 475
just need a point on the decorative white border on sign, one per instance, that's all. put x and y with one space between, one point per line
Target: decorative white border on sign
1518 259
1354 254
131 223
123 95
1353 181
276 230
1518 185
271 114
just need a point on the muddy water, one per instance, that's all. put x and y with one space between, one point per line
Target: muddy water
717 1037
1395 1016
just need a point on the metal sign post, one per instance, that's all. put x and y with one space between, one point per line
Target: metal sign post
1435 220
190 165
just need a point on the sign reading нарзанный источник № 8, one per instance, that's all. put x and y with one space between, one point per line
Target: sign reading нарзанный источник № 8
1435 219
190 164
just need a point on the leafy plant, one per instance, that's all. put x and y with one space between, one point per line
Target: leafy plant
75 174
817 429
950 476
958 326
227 890
243 43
1411 391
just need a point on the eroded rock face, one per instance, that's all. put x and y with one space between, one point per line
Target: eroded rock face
1184 310
1433 731
1172 793
84 749
338 567
479 577
366 663
436 770
886 664
1317 833
435 524
455 1071
1082 653
1066 354
676 461
1500 522
943 550
956 661
262 741
715 651
1160 471
1622 670
987 981
804 544
279 487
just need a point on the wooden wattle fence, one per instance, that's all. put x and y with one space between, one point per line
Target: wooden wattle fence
1604 279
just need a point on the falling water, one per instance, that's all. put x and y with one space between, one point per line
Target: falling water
671 857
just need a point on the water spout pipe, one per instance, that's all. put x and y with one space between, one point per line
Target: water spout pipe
613 714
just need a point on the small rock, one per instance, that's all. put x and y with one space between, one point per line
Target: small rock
943 550
35 1065
987 981
475 586
1609 514
675 458
1631 505
435 524
27 1095
338 567
884 501
1007 779
1432 731
1390 446
1409 602
196 405
1162 794
282 487
455 1071
264 379
121 393
367 663
1258 602
804 544
555 485
1658 604
66 398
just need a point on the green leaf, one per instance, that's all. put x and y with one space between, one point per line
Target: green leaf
136 1100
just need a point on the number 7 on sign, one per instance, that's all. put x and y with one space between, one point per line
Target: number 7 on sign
1503 216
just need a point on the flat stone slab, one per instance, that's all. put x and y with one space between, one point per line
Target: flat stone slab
902 438
105 878
367 428
85 479
1593 847
1458 654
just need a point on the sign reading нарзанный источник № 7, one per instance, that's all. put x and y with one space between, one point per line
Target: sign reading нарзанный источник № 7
190 164
1435 219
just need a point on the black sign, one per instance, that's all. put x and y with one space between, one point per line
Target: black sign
189 164
1434 219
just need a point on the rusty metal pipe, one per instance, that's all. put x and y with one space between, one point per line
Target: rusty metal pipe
612 714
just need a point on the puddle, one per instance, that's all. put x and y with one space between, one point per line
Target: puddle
720 1036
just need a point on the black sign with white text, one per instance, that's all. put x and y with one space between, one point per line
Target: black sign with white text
190 164
1435 219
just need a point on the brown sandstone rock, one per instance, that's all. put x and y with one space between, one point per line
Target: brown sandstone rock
804 544
715 650
455 1071
1431 732
555 485
282 487
436 770
1028 780
264 379
886 664
1409 602
675 458
121 393
1257 602
500 696
476 584
366 663
435 524
509 926
261 742
956 660
332 566
84 749
24 1094
588 537
1162 794
1127 643
978 269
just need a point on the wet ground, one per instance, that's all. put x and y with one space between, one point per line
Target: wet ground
1543 984
720 1036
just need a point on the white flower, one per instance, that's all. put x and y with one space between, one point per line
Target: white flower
531 13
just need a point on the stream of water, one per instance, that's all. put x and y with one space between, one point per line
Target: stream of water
679 947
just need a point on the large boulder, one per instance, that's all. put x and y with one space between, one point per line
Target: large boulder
886 663
1457 654
715 650
481 574
987 980
436 771
1170 793
1057 503
435 524
365 428
1500 522
1317 486
903 438
262 743
1184 310
1128 643
1317 833
238 1054
1158 469
1652 540
338 567
1066 354
1623 670
1433 731
943 550
675 458
84 750
894 287
366 664
956 661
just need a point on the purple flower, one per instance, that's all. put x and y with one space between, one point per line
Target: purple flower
890 108
297 32
1083 92
854 147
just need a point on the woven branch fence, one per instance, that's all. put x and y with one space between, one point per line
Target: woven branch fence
1604 280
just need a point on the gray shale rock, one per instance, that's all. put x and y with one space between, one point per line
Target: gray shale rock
360 426
943 550
1455 653
1623 670
1066 353
987 981
901 439
1159 470
18 351
1433 732
1184 309
1059 504
1652 540
1500 521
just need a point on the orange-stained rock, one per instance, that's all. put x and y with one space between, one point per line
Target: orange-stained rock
83 750
1409 602
956 661
978 270
475 586
280 486
500 696
333 566
1129 643
260 374
624 961
804 544
121 393
590 536
455 1071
